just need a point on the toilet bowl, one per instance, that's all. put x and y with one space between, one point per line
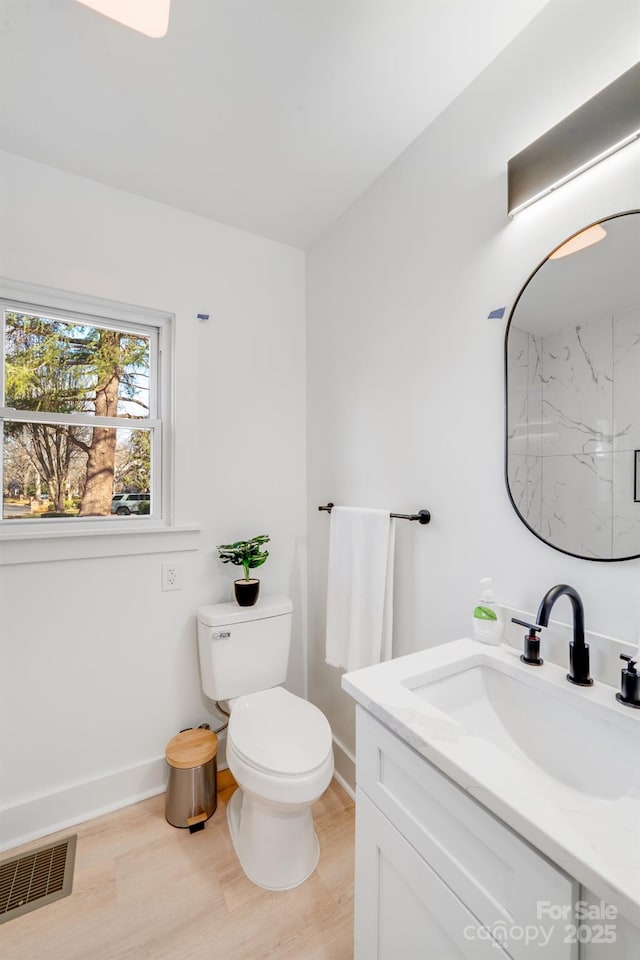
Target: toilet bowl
280 753
279 746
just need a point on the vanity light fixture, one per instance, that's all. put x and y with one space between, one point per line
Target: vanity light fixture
600 127
150 17
586 238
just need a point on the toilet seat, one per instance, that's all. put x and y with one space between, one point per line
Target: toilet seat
278 733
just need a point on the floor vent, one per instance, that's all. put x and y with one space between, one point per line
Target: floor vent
36 878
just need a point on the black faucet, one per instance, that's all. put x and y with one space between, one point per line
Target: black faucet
578 649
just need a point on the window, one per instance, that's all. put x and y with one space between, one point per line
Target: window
80 414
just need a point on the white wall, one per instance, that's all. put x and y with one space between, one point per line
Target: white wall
98 667
406 388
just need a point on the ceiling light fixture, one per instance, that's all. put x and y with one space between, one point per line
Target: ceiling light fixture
150 17
586 238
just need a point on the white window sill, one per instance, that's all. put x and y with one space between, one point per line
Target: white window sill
93 542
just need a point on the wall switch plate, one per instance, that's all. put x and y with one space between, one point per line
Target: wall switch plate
171 577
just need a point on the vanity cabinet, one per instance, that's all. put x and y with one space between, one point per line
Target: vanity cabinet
437 874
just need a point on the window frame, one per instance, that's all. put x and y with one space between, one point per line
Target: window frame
98 312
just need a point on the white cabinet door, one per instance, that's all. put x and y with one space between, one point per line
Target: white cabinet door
500 879
403 910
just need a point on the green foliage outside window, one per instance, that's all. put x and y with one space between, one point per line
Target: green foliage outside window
63 366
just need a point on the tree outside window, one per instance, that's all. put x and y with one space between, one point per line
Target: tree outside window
78 417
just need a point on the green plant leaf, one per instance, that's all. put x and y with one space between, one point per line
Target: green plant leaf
245 553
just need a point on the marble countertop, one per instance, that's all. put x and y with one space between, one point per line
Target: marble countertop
593 836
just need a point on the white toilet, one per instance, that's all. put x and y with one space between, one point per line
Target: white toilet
278 746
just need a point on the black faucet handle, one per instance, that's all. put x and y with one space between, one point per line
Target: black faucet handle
629 684
531 653
532 627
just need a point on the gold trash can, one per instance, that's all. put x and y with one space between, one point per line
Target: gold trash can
192 789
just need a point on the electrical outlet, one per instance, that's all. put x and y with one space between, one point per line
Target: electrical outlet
171 577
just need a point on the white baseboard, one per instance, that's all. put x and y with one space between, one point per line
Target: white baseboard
40 816
344 767
345 786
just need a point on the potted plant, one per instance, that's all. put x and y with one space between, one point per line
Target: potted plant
247 554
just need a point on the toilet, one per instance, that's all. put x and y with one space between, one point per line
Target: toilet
279 746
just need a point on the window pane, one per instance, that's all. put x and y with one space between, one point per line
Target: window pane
58 366
56 470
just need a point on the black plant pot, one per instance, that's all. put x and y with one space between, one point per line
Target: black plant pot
246 592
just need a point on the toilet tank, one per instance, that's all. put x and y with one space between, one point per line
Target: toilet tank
244 649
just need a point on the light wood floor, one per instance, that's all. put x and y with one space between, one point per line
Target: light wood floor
144 890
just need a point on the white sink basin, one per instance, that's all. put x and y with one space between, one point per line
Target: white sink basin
530 719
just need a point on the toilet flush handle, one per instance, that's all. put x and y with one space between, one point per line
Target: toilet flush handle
224 635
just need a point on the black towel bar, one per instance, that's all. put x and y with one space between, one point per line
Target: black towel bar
422 516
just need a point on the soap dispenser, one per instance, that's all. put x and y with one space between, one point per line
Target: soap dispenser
488 626
629 684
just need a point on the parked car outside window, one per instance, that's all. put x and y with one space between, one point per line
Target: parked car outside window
125 504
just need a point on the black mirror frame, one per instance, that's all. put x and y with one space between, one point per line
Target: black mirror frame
578 556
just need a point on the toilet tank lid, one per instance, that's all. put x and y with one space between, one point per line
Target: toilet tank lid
220 614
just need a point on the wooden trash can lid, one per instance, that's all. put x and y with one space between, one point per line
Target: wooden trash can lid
191 748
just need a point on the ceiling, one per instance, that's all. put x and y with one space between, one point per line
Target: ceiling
272 116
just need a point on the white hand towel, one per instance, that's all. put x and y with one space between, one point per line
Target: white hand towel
359 587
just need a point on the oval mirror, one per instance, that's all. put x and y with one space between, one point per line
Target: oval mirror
573 394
